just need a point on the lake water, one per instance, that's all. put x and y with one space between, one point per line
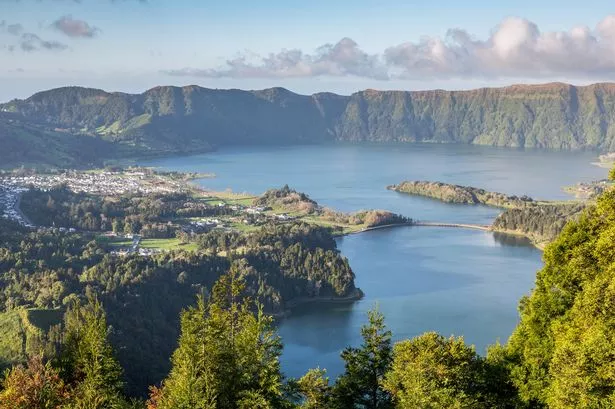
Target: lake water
453 281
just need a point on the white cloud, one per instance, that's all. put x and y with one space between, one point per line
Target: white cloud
516 48
344 58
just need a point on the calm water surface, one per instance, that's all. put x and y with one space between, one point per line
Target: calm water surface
447 280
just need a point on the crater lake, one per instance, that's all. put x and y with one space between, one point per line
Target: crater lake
452 281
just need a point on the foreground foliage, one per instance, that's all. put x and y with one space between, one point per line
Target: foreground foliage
228 356
560 356
562 351
81 373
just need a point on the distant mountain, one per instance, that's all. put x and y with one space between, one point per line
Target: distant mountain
188 119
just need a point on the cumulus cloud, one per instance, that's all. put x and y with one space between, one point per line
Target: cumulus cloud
516 48
341 59
74 28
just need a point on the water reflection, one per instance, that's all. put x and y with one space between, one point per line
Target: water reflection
326 334
513 240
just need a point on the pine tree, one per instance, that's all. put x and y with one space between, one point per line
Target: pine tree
228 354
360 385
87 360
314 389
433 372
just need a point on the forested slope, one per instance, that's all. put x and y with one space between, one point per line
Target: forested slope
188 119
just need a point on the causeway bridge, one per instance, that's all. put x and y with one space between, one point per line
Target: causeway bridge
454 225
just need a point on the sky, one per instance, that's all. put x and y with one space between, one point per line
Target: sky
306 46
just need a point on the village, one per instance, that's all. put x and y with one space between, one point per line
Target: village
138 181
237 213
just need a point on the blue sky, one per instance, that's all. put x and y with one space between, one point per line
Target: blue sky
306 46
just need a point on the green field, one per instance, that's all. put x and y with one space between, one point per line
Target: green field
167 244
242 227
345 228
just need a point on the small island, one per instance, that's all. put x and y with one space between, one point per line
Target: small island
450 193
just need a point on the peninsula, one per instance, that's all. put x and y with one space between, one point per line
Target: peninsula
450 193
539 221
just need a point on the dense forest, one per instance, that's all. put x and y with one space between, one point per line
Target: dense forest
227 356
143 296
541 224
148 215
192 119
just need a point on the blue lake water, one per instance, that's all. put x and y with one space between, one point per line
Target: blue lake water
453 281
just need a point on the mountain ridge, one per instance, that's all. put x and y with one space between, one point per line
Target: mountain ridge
171 119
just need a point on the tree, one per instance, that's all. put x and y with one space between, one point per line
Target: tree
563 334
34 386
314 389
87 359
365 368
582 371
432 372
228 354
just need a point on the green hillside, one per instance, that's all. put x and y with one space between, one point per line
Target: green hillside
24 144
189 119
22 331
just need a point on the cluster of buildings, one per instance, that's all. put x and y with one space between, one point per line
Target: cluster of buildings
140 251
98 183
205 225
9 204
135 248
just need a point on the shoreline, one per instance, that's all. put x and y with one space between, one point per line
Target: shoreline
356 295
539 245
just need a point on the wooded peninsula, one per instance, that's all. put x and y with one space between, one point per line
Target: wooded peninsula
539 221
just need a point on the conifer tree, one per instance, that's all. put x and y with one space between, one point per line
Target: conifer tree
228 354
433 372
360 385
314 389
87 359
